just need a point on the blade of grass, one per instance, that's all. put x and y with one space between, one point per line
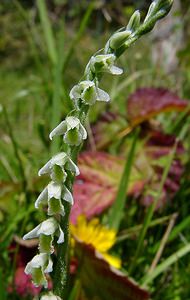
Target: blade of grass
82 27
5 163
123 235
147 279
2 286
29 31
122 86
116 211
47 29
12 224
16 150
175 232
162 243
75 291
150 212
175 125
57 91
178 228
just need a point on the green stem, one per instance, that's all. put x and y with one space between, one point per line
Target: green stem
47 29
61 277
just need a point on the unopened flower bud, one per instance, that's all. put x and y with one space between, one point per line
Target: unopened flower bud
119 38
134 21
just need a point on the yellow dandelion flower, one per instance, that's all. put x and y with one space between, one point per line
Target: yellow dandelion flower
100 237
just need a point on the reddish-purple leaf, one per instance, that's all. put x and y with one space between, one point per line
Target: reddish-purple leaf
102 282
158 147
95 189
148 102
23 284
107 129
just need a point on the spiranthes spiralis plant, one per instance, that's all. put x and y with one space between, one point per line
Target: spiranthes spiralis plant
61 168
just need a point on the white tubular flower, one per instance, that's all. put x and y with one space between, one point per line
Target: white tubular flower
72 130
103 63
50 296
57 167
38 267
52 195
88 92
46 231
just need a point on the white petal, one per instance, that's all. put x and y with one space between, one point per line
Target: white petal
59 130
42 198
67 196
72 167
106 59
115 70
72 122
45 169
50 296
32 234
48 227
49 267
61 236
59 159
103 96
83 132
54 190
38 261
86 84
75 92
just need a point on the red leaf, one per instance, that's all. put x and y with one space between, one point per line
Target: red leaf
148 102
102 282
158 148
23 284
96 187
107 129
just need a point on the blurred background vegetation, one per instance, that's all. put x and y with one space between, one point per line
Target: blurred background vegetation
41 59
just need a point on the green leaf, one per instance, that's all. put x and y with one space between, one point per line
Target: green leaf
116 212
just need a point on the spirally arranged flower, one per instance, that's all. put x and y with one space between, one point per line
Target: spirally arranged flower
97 235
46 231
40 265
72 130
87 92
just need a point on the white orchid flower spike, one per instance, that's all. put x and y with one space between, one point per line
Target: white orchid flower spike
38 267
57 167
52 196
46 232
88 93
103 63
72 130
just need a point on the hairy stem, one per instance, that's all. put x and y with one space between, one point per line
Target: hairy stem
62 267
